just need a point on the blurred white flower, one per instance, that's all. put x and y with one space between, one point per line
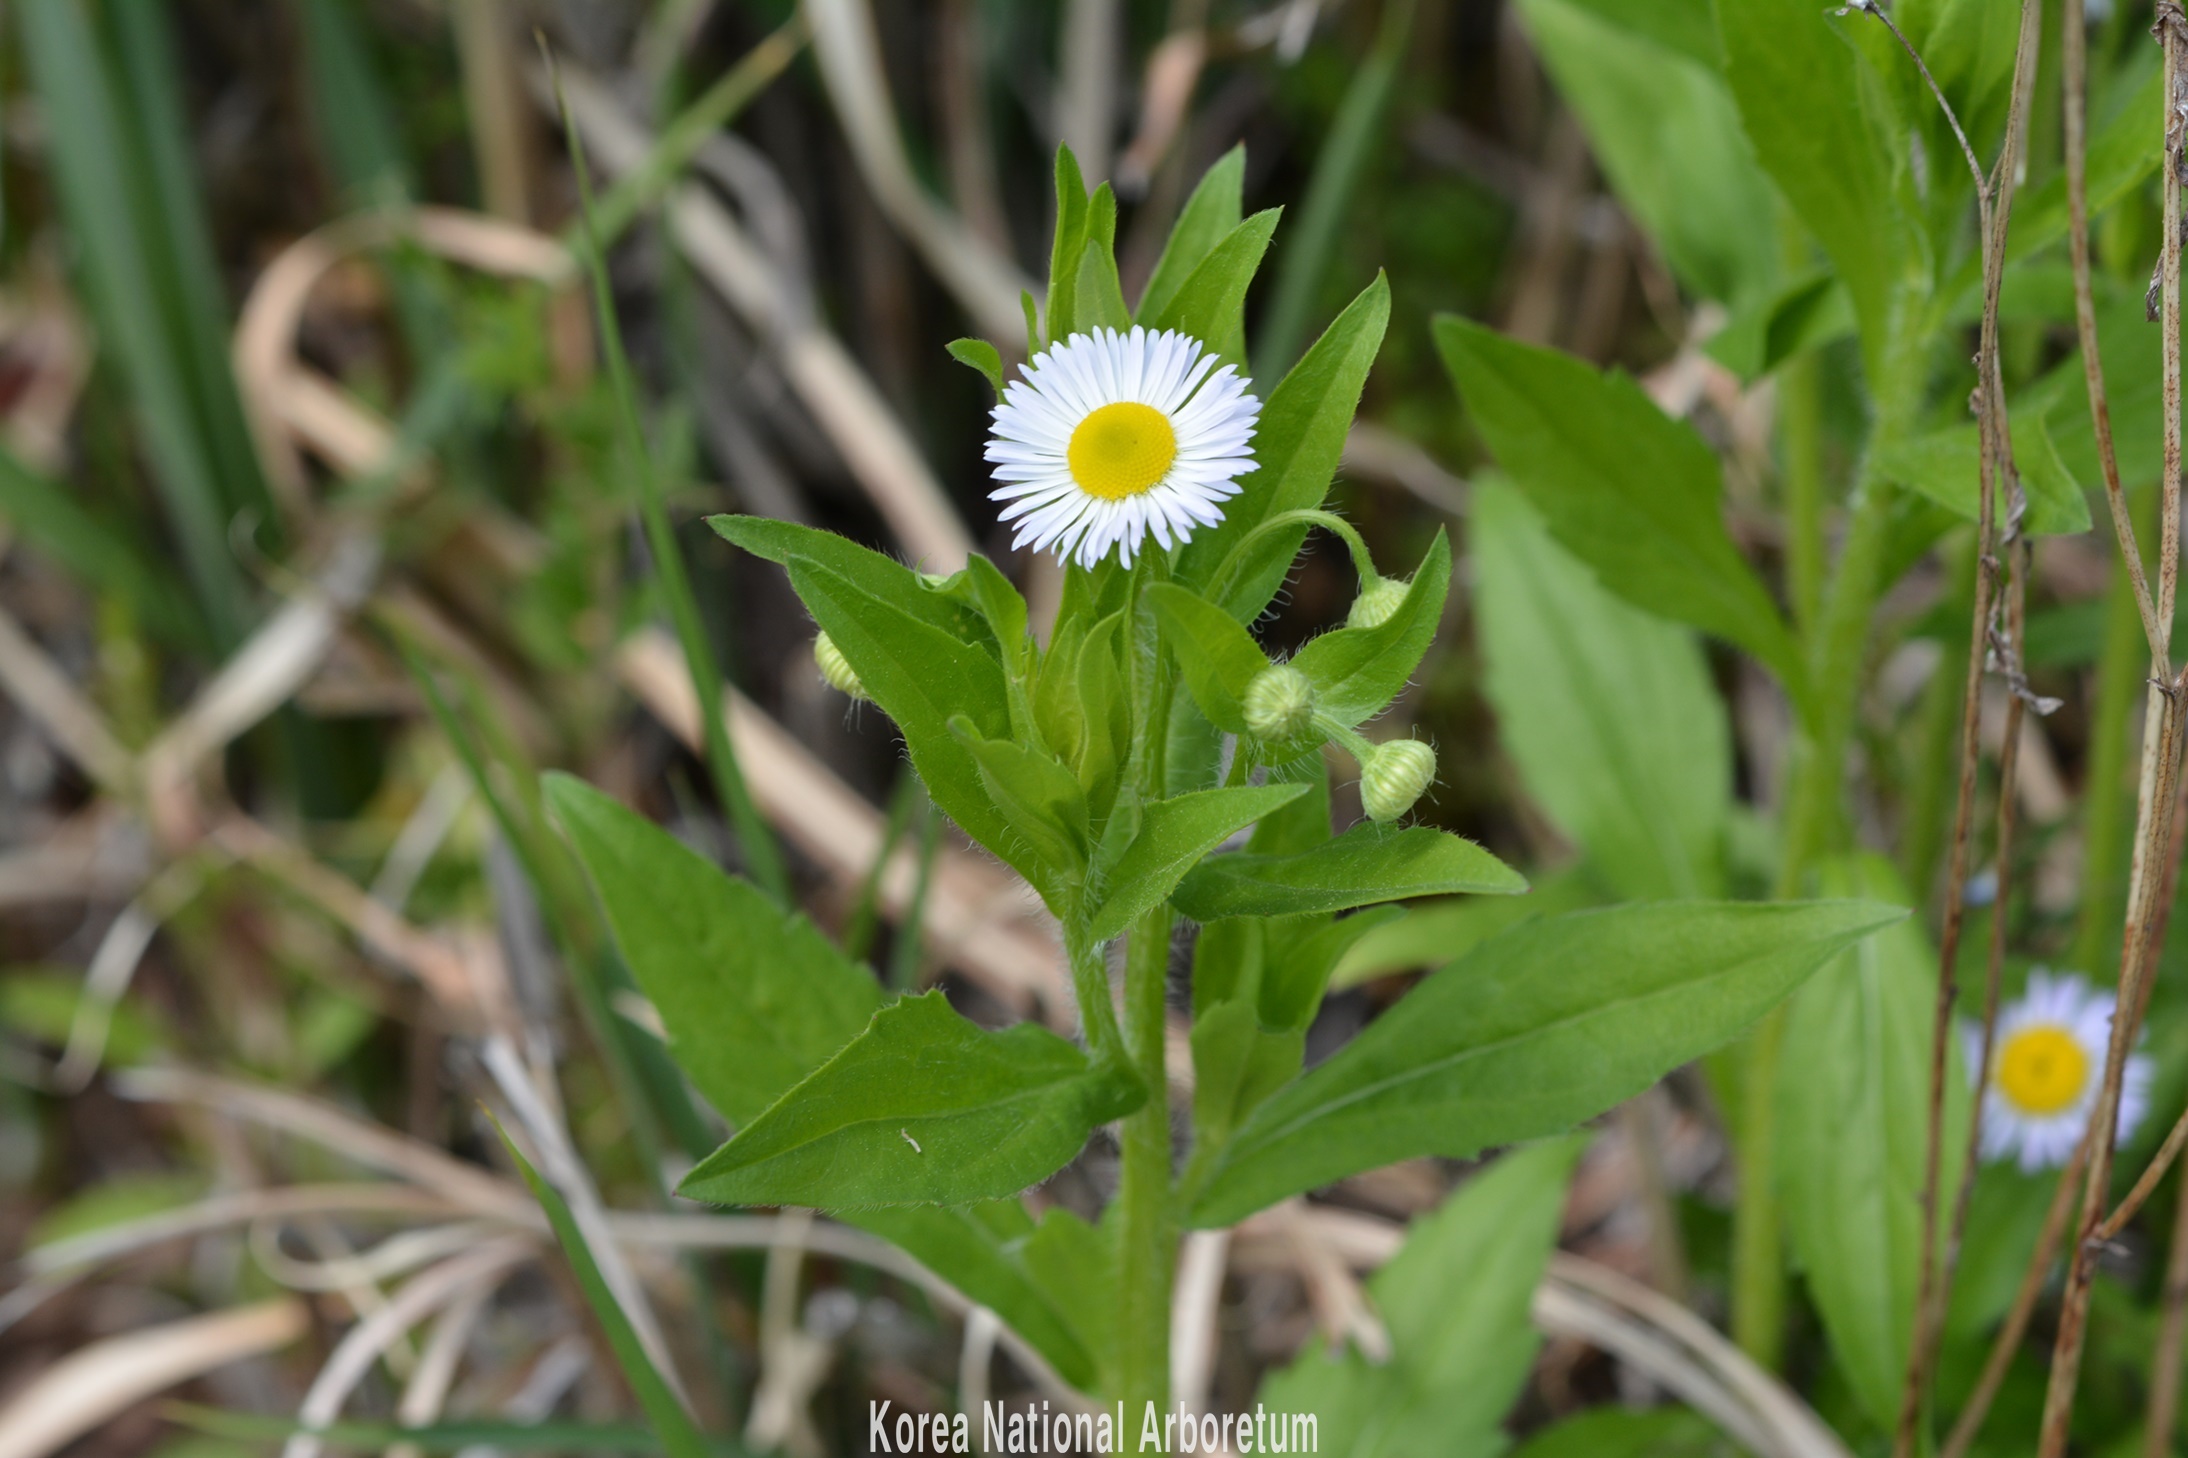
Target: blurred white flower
2047 1065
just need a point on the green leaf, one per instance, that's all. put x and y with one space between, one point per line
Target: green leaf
1668 136
1803 315
664 1410
913 649
1236 1064
1209 215
753 998
1300 966
1432 933
1211 304
982 356
1064 250
1946 466
1632 493
1298 442
923 1108
2123 153
1044 805
1358 671
1455 1299
1173 835
1685 27
1853 1099
1219 657
1100 299
984 1251
1365 865
1074 1265
1798 85
1528 1035
1617 1432
1610 713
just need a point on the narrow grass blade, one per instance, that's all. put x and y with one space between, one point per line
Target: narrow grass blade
763 857
680 1438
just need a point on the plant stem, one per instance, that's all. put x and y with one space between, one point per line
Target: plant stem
2164 1409
2123 666
1800 422
1148 1231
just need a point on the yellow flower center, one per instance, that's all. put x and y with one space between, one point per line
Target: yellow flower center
1121 450
2041 1070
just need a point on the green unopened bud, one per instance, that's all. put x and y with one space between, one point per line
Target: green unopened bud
1377 603
1279 703
837 669
1394 776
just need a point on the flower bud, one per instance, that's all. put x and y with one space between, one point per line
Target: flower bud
1377 603
1279 703
1394 776
836 669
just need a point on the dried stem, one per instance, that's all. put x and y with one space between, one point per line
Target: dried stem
2164 1409
2076 66
1994 203
2156 851
2138 944
2146 1186
2008 1340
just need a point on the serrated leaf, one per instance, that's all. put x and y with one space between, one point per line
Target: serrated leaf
922 1108
1632 493
1531 1033
1173 835
1298 442
1366 865
1358 671
1219 657
1456 1365
1853 1100
1609 712
753 998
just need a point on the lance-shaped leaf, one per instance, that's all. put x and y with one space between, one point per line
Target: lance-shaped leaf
1367 864
1357 671
1043 803
1209 215
923 1108
1533 1032
1609 712
982 1250
1211 305
1173 835
1220 658
752 997
1455 1366
1799 89
1631 492
1853 1099
1301 435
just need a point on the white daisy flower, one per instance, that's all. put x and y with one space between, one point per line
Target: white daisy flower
2047 1066
1107 437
